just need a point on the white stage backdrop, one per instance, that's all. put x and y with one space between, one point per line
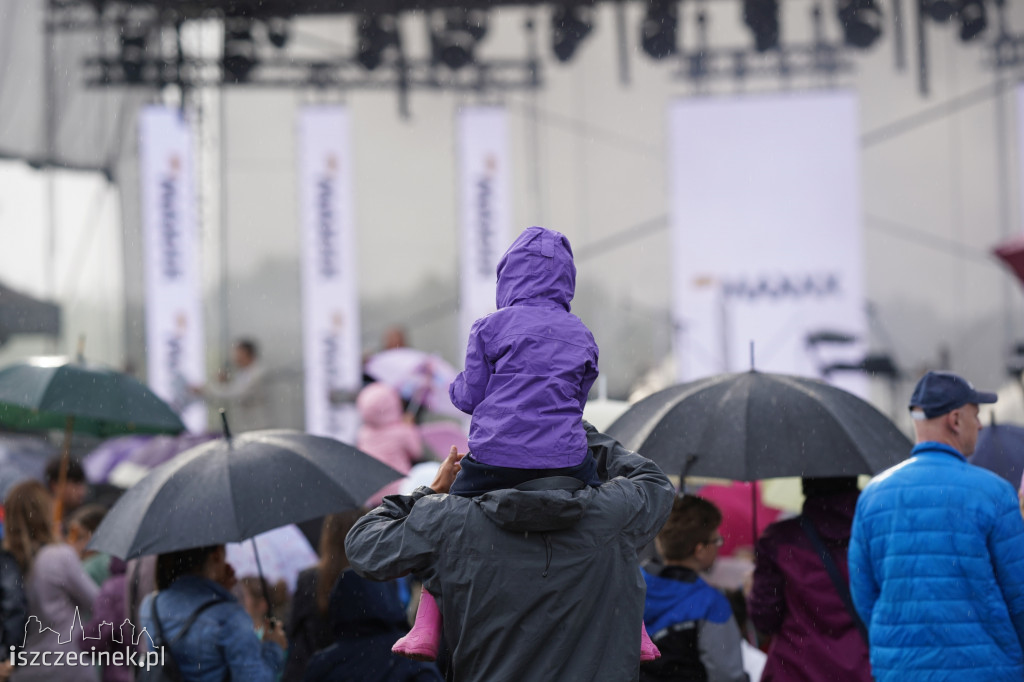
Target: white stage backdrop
174 309
484 208
329 285
766 234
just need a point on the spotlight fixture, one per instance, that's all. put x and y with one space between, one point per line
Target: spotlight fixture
278 31
377 34
570 24
861 21
939 10
133 53
973 19
659 27
239 57
762 17
454 35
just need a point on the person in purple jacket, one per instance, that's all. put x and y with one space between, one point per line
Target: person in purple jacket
529 368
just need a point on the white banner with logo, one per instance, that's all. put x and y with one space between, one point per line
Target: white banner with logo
330 300
767 236
484 208
176 354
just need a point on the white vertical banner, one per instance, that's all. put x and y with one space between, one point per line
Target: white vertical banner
1020 147
330 299
484 208
767 236
176 354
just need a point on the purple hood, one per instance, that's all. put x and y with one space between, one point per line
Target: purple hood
537 267
530 364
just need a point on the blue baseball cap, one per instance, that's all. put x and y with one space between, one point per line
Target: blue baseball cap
940 392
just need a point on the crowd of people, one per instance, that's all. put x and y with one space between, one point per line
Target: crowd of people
548 551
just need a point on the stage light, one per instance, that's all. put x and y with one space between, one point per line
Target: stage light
377 33
239 57
659 27
570 24
939 10
133 53
861 21
973 19
762 17
278 31
454 35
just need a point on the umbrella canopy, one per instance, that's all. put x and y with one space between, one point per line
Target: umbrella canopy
232 489
283 553
753 425
422 378
41 395
22 457
1000 449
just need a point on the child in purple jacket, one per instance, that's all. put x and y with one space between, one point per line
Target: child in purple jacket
529 368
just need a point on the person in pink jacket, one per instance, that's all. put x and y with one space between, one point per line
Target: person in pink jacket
385 434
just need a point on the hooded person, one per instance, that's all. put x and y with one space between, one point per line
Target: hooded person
384 433
539 582
529 367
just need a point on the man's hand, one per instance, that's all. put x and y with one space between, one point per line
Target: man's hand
450 468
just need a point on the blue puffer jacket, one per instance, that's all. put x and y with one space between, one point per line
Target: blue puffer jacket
937 570
221 642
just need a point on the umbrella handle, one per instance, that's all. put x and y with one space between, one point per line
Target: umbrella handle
259 569
62 477
691 459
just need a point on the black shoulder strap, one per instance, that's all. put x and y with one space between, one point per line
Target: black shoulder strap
842 587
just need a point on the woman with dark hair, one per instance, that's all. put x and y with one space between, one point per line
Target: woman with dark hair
209 634
56 586
800 600
309 627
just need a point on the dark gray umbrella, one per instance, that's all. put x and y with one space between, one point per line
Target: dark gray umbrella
753 425
1000 449
232 489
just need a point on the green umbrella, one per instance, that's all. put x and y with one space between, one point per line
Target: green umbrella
52 393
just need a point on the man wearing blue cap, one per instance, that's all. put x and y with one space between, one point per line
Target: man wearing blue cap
937 553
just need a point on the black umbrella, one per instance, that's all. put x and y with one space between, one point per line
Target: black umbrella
754 425
1000 449
232 489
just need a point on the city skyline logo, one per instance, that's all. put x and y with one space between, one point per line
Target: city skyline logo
80 653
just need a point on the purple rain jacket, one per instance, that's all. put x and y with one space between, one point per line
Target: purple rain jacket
531 363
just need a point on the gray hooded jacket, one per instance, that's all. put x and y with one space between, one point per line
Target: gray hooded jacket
532 585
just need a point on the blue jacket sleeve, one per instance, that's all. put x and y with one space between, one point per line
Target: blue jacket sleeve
863 583
247 657
467 389
1006 547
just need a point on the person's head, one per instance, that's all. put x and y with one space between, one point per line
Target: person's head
207 562
833 485
245 353
333 559
394 337
690 537
28 522
538 266
75 485
82 523
944 408
379 405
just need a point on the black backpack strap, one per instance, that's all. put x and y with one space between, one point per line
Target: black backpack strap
842 587
172 664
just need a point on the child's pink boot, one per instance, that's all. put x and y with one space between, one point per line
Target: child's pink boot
420 644
648 650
